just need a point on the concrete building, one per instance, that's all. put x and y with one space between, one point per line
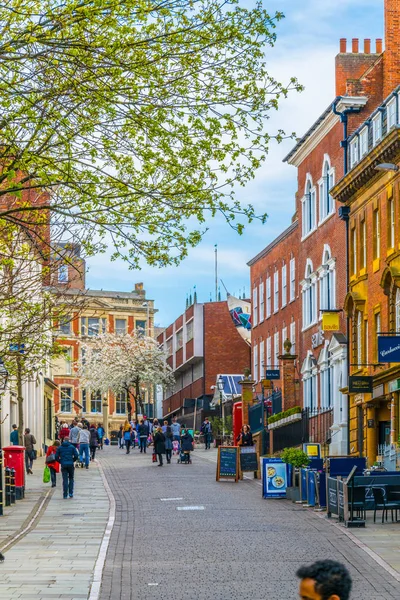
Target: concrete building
201 343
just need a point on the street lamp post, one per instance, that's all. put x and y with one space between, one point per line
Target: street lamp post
3 386
220 385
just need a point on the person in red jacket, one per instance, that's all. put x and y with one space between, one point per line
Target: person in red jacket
53 466
64 432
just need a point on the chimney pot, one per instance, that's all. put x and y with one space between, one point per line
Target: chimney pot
367 46
379 46
354 44
343 45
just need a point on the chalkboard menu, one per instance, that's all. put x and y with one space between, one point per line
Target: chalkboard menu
333 501
248 459
227 463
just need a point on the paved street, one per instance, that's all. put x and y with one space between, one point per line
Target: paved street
232 544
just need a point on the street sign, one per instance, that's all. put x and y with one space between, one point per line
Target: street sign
359 384
272 374
389 348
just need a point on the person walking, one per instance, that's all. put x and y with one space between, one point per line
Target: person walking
176 431
53 465
64 431
120 437
168 443
245 437
66 455
187 445
127 436
206 430
101 433
14 437
94 441
84 445
74 434
143 435
29 443
159 445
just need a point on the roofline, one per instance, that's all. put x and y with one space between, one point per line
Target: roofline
276 241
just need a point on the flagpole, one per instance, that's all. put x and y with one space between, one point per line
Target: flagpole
216 272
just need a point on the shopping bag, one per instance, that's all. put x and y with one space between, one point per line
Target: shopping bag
154 457
46 475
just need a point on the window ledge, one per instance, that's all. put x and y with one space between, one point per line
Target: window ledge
307 235
376 265
306 327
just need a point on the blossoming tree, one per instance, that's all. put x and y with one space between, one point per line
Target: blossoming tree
124 363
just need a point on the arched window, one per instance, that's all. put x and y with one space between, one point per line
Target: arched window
328 281
309 296
327 181
309 207
397 310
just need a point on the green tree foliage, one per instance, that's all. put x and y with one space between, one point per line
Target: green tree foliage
295 457
138 117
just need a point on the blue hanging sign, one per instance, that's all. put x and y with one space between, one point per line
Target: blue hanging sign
389 348
272 374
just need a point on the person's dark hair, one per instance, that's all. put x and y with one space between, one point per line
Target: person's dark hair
84 427
330 578
14 427
56 443
27 430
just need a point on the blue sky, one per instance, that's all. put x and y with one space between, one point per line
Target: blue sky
308 40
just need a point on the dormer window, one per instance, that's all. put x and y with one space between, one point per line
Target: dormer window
354 152
377 128
363 142
391 114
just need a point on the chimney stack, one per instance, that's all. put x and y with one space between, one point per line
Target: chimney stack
379 47
343 46
367 46
354 45
391 62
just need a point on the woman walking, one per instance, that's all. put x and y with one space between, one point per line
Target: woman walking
127 436
159 445
121 437
245 437
101 432
53 465
186 445
94 441
168 443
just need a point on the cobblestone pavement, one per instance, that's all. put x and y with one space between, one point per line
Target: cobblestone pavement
232 544
56 559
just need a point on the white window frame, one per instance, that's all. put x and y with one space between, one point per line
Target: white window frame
377 128
276 350
354 250
391 113
359 337
269 352
309 208
262 360
292 292
391 212
67 324
68 356
363 137
93 394
309 297
268 297
125 326
70 398
120 402
327 181
255 306
293 337
284 286
354 148
255 361
363 249
262 304
63 274
276 291
284 338
377 227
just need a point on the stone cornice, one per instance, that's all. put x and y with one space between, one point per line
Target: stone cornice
387 151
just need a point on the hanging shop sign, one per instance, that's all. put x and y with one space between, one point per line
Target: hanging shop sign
330 321
389 348
360 384
394 386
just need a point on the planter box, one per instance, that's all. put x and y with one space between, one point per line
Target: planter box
285 421
293 493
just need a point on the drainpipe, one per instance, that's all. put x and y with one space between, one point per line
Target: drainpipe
345 120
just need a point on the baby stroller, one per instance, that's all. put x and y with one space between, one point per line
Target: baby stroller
184 458
79 463
175 447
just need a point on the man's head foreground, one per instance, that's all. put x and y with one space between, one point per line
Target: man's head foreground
324 580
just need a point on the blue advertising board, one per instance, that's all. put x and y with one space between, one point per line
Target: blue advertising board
274 474
389 348
272 374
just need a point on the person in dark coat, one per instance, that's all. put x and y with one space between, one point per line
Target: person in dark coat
66 455
245 437
94 441
168 443
186 445
159 445
120 436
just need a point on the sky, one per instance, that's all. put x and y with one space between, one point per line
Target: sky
308 40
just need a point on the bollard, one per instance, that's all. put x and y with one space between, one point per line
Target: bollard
12 487
7 486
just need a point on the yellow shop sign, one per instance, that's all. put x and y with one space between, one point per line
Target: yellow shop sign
330 321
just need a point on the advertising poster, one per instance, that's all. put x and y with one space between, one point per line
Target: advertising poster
274 478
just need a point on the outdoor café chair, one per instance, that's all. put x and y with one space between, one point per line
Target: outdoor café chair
382 504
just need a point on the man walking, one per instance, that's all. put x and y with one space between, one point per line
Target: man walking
29 442
324 580
206 430
66 455
14 437
176 431
74 434
143 435
84 442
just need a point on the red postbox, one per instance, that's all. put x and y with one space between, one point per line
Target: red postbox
14 457
237 414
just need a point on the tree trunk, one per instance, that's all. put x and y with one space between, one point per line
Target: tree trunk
20 402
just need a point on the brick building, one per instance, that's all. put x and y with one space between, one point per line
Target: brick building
202 343
321 157
103 312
